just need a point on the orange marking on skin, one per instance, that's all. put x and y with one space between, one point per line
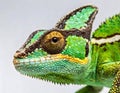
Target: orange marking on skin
71 59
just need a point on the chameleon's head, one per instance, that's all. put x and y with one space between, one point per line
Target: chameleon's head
53 55
60 54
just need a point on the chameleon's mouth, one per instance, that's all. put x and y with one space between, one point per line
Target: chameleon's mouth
50 67
49 58
35 60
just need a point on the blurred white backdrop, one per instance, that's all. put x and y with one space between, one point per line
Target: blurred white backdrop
18 18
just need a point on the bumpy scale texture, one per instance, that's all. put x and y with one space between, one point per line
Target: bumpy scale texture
75 47
110 27
79 19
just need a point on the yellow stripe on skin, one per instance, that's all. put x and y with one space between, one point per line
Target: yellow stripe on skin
71 59
54 57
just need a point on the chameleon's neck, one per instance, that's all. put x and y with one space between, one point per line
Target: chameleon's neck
83 72
90 68
86 73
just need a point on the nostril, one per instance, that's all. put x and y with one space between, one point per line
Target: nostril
19 54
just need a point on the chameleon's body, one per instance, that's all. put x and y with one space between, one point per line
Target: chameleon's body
69 53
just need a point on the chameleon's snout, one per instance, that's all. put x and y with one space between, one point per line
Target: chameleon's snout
15 61
19 54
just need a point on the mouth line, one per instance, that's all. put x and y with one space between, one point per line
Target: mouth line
35 60
51 58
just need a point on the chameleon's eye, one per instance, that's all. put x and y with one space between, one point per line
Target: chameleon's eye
53 42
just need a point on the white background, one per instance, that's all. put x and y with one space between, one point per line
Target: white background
18 18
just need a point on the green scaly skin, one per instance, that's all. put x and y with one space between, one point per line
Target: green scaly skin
70 54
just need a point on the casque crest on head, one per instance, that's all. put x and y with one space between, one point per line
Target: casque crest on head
79 23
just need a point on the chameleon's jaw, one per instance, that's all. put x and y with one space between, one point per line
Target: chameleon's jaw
44 59
57 68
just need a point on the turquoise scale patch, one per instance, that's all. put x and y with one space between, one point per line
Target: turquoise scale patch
35 38
75 47
37 53
80 19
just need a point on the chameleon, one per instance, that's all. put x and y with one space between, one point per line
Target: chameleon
71 53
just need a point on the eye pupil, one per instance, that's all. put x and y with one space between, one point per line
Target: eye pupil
54 39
